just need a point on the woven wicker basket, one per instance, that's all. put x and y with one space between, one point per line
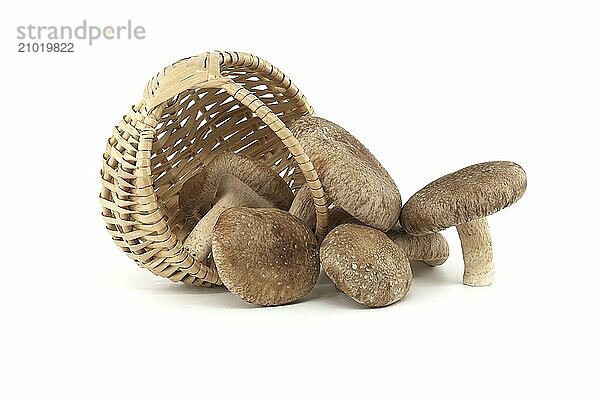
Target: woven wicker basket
192 111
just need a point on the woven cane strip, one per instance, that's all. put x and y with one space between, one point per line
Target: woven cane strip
131 209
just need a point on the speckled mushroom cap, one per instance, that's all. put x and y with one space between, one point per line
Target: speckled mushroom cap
366 265
264 255
198 192
465 195
430 248
351 175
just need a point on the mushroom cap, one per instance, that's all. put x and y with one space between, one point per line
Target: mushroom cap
191 205
350 174
465 195
198 192
366 265
264 255
431 248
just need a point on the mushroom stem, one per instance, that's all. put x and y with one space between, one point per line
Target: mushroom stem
231 193
303 206
432 249
476 243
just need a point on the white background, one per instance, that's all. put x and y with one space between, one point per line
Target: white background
429 87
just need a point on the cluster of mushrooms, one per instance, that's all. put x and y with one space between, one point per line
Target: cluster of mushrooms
259 236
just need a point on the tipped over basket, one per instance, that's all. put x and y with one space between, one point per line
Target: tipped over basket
192 111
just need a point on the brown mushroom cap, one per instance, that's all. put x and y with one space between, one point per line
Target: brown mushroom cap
465 195
431 248
198 192
351 175
366 265
265 256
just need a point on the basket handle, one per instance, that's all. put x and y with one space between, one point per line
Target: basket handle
197 72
